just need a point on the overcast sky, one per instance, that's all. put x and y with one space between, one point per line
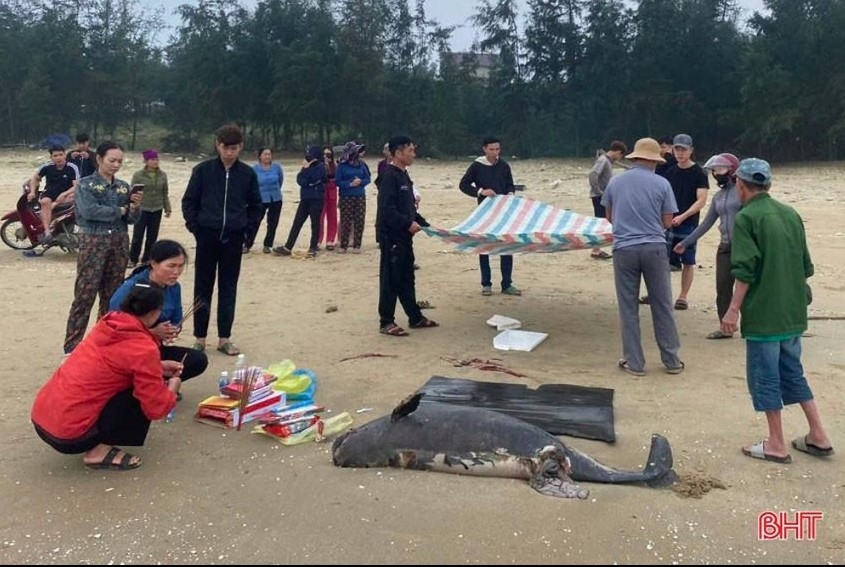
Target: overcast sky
447 12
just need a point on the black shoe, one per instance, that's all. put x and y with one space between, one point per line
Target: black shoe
281 251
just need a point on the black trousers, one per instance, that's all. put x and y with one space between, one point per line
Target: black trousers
274 213
307 208
122 422
218 257
396 281
195 361
149 223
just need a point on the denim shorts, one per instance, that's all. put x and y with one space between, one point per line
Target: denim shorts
674 236
775 375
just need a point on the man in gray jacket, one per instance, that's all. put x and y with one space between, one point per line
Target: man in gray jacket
599 178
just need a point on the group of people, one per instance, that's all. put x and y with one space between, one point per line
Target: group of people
763 248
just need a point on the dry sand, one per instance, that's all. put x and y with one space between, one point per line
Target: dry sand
205 495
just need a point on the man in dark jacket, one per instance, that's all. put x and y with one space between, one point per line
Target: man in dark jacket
488 176
397 221
221 204
312 178
82 156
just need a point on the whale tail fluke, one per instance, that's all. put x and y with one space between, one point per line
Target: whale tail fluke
658 470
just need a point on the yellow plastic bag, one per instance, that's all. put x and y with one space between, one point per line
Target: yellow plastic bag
317 432
282 369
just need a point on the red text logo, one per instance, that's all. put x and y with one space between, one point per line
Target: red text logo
788 525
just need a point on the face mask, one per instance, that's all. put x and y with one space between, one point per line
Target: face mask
722 179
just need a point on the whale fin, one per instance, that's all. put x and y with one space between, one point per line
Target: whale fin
406 407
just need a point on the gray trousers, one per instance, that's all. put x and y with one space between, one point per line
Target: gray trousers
649 262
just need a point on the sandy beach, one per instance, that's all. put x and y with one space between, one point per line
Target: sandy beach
211 496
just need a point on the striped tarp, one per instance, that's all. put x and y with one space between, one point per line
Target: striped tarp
516 225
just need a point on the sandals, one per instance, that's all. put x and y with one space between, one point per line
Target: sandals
424 323
801 444
229 349
758 451
681 304
623 365
719 335
601 255
198 346
108 463
393 330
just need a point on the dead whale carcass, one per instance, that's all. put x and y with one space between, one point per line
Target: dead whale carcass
481 442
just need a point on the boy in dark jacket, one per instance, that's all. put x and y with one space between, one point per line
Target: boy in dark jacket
397 221
312 191
221 204
488 176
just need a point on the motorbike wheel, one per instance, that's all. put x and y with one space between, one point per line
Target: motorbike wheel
71 238
13 234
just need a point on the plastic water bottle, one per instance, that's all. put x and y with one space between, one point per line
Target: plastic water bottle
240 367
224 379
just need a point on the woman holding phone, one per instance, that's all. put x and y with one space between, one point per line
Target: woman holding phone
153 182
104 208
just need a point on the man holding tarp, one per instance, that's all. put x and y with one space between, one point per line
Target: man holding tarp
488 176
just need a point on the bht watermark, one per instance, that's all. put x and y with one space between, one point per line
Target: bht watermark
783 526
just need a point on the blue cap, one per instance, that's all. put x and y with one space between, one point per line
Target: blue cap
754 170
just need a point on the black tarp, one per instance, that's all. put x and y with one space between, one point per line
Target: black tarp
560 409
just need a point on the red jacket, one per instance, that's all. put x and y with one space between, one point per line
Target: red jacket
118 354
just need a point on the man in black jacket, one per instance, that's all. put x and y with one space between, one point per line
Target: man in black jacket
221 204
82 156
397 221
488 176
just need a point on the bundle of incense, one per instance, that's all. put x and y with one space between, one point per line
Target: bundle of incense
250 376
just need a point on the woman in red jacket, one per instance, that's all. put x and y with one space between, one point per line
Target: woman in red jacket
111 386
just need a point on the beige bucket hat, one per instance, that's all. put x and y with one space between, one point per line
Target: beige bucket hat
647 149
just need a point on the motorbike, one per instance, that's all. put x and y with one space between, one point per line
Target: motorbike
22 229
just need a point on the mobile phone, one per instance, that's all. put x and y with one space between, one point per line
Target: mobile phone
136 188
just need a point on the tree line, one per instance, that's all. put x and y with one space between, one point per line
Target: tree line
567 76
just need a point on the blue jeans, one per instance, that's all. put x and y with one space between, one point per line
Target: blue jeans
775 375
507 270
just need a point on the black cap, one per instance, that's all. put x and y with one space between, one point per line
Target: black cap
397 142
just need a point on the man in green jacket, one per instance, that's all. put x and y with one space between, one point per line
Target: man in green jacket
771 264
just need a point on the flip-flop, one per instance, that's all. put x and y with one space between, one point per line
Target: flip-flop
757 451
801 444
681 304
198 346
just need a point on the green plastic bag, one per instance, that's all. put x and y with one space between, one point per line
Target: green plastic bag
318 432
